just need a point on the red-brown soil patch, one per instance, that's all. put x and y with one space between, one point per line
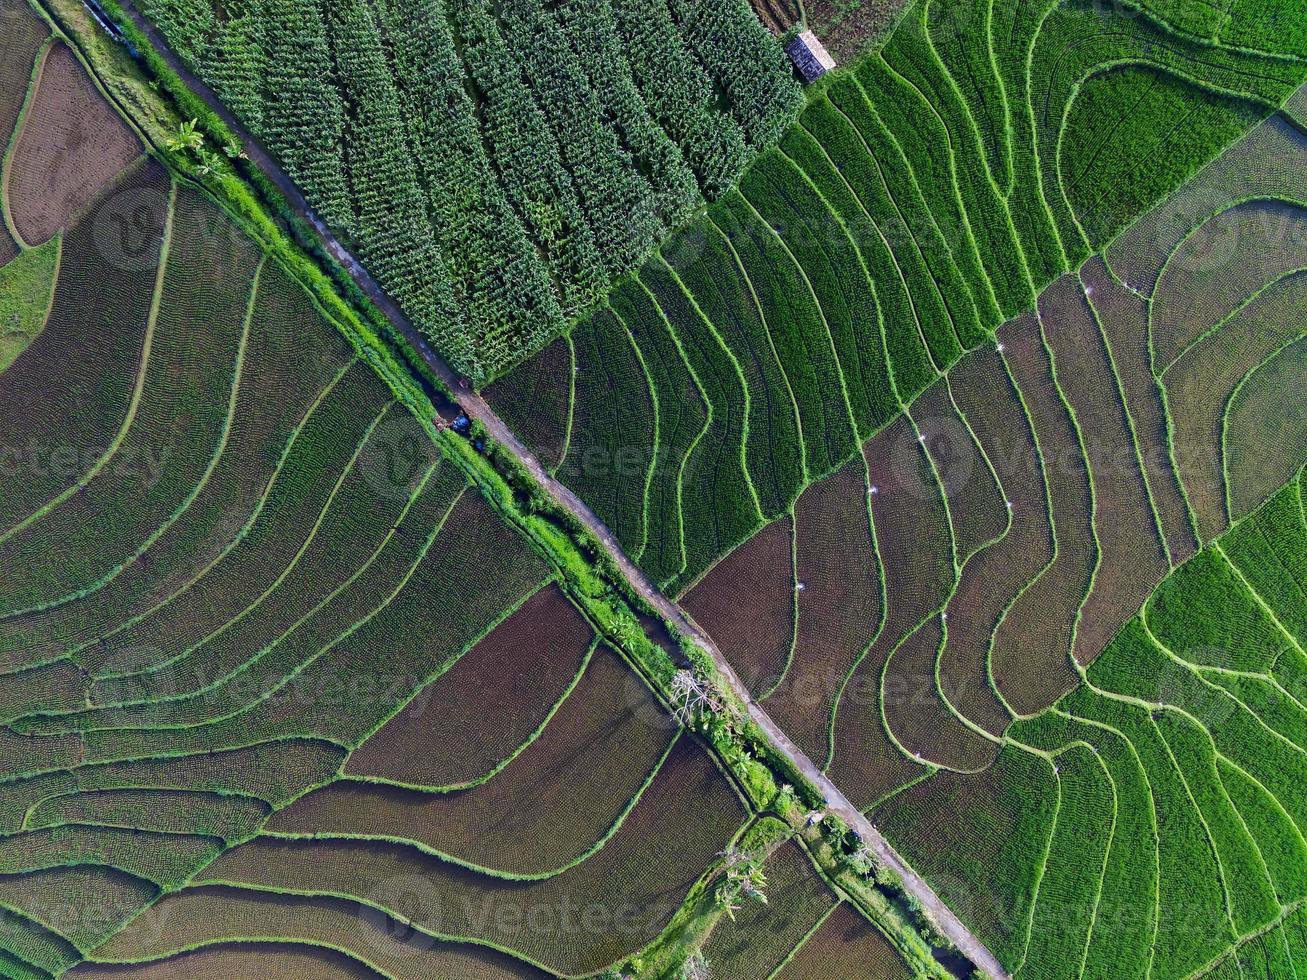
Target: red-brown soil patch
1132 555
839 604
1124 319
746 604
1031 656
586 918
601 746
72 145
987 398
487 704
199 916
64 398
236 961
846 945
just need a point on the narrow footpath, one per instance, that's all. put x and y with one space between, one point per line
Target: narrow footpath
478 409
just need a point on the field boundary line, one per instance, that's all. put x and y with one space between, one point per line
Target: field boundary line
16 135
129 417
219 450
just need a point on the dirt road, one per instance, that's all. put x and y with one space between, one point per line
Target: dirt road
477 408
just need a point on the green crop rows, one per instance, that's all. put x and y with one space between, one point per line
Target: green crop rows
495 165
927 195
1171 839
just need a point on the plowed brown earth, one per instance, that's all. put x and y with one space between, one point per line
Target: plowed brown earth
839 604
746 604
1124 319
200 916
22 36
992 407
636 882
1132 556
1031 654
603 744
846 945
487 704
72 144
239 961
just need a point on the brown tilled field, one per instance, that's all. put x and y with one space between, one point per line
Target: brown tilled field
488 704
234 961
839 587
846 945
520 821
72 145
746 603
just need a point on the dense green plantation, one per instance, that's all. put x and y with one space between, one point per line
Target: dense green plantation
927 195
495 166
1152 822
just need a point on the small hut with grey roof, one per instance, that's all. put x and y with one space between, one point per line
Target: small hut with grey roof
809 56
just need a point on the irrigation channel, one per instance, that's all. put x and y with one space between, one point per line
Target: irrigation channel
476 408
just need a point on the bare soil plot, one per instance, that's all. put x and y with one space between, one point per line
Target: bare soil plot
1223 263
746 603
1123 318
203 917
846 945
1132 557
916 713
93 343
601 746
686 816
234 961
839 604
1031 655
847 29
23 35
1265 436
72 144
985 394
975 501
485 706
1200 385
760 936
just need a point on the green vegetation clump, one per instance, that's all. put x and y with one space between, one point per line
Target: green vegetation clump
495 166
26 291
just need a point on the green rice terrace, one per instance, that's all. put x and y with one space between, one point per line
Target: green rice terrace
548 488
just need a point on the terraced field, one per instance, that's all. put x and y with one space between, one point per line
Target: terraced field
805 930
266 658
1151 822
926 197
